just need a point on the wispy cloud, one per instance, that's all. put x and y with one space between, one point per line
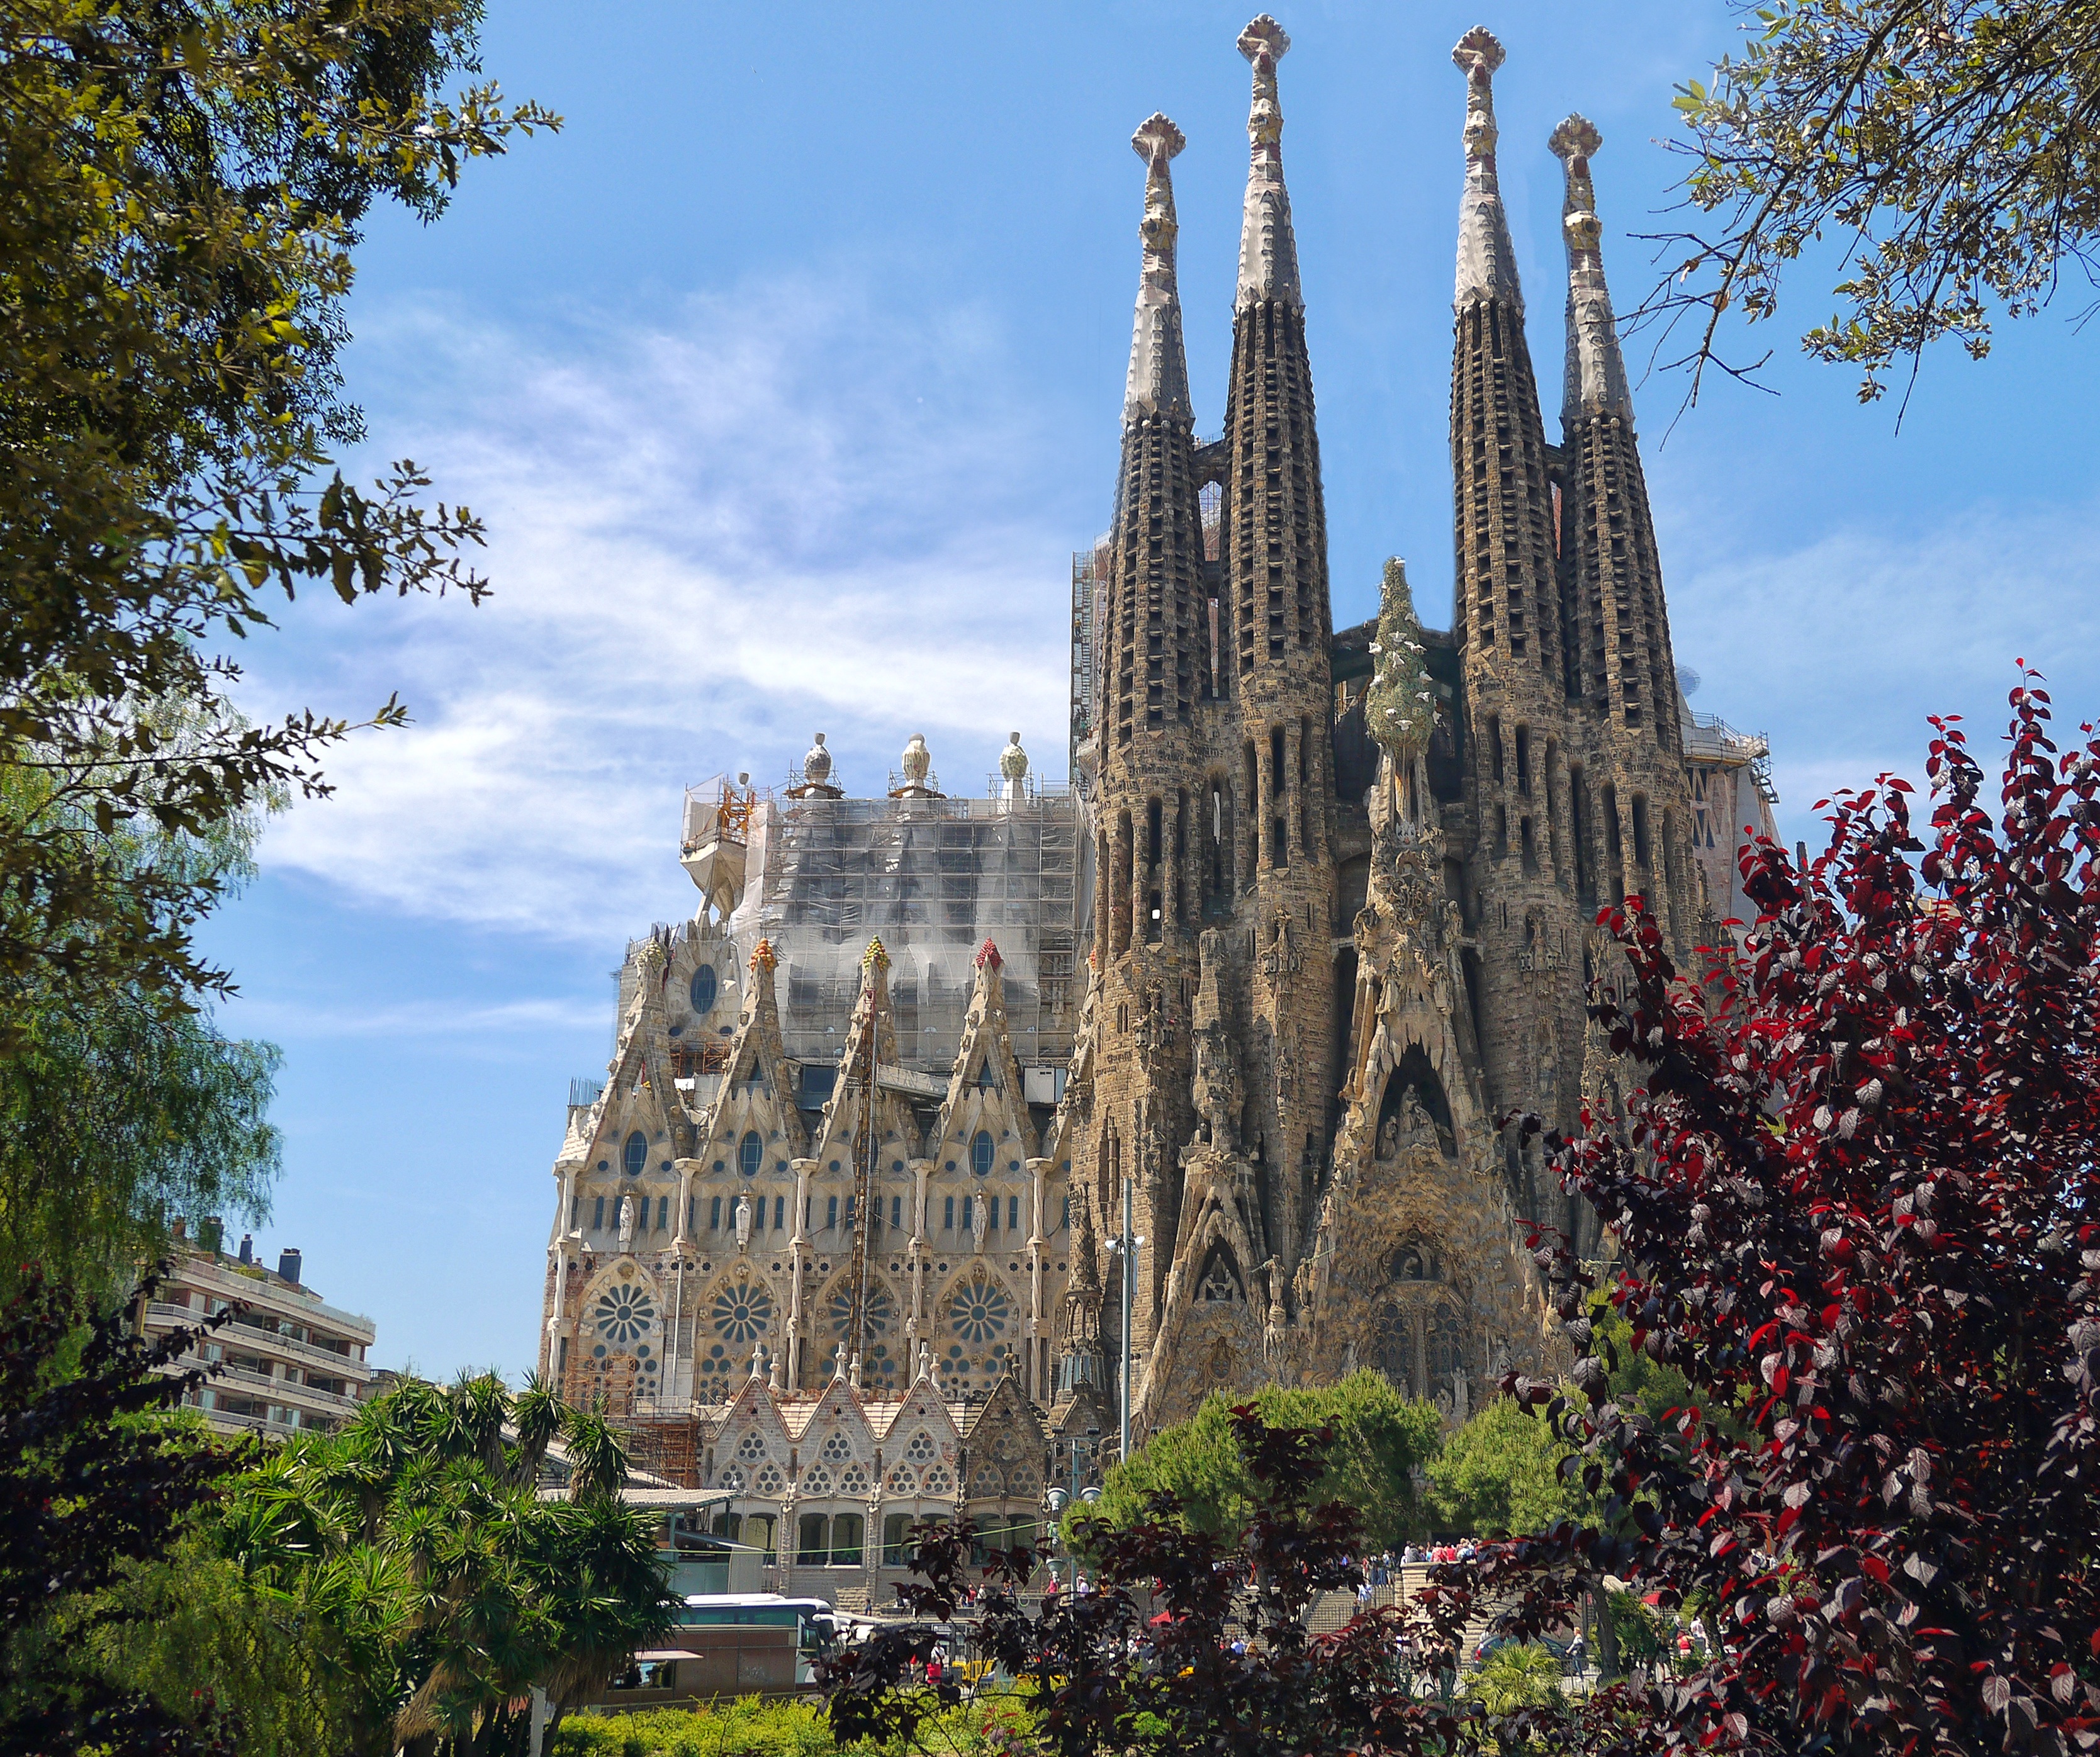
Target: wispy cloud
1839 648
710 535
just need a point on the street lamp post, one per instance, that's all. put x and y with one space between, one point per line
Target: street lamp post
1127 1245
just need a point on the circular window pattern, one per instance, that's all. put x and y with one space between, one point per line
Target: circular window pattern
854 1479
702 989
752 1447
902 1481
625 1314
939 1481
715 1374
979 1309
816 1480
836 1449
881 1310
920 1450
742 1312
769 1480
732 1479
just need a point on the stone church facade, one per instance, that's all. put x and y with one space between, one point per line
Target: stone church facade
1316 909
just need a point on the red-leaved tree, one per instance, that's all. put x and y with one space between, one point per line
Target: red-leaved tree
1857 1198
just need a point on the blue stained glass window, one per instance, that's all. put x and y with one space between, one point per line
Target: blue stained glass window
980 1153
663 1212
703 988
714 1214
896 1211
751 1152
636 1154
1013 1214
598 1216
948 1214
992 1223
831 1213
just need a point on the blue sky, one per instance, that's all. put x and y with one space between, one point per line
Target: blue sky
788 377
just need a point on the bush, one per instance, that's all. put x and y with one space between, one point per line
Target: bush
750 1726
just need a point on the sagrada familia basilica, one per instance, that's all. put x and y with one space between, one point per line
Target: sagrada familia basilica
844 1232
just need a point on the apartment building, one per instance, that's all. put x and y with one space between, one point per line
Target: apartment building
287 1362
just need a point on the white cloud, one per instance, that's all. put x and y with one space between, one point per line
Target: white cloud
1839 648
709 537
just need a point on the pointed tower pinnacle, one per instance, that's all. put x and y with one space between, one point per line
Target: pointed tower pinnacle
1596 381
1159 382
1268 250
1487 264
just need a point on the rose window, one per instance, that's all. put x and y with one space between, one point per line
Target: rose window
854 1480
902 1481
837 1449
742 1312
938 1481
881 1310
752 1447
732 1479
626 1312
816 1480
986 1483
769 1480
920 1451
979 1309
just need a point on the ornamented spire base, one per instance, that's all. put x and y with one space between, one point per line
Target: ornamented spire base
1158 381
1268 248
1596 374
1487 262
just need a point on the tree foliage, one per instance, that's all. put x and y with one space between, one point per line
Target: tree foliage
1500 1473
1857 1200
1380 1439
181 183
92 1486
116 1114
437 1587
1946 148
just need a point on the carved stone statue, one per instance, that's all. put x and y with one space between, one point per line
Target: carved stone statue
1218 1287
817 764
1388 1140
980 1217
1459 1395
627 1223
1013 760
744 1223
918 760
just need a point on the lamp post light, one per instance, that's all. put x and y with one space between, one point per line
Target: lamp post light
1058 1499
1126 1246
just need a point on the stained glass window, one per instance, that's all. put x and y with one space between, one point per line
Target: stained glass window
751 1153
981 1148
636 1153
742 1312
703 988
979 1310
625 1312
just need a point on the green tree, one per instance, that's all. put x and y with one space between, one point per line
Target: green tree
1944 151
1501 1472
424 1585
1380 1438
116 1114
181 183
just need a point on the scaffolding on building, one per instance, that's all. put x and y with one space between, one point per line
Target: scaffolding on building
935 878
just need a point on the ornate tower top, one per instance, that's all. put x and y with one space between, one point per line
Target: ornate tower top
1268 250
1596 376
1159 382
1487 264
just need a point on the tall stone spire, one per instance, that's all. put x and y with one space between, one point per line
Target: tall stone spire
1487 264
1158 380
1596 378
1268 250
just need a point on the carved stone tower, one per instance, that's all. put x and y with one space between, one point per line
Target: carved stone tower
1633 829
1275 525
1517 888
1152 667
